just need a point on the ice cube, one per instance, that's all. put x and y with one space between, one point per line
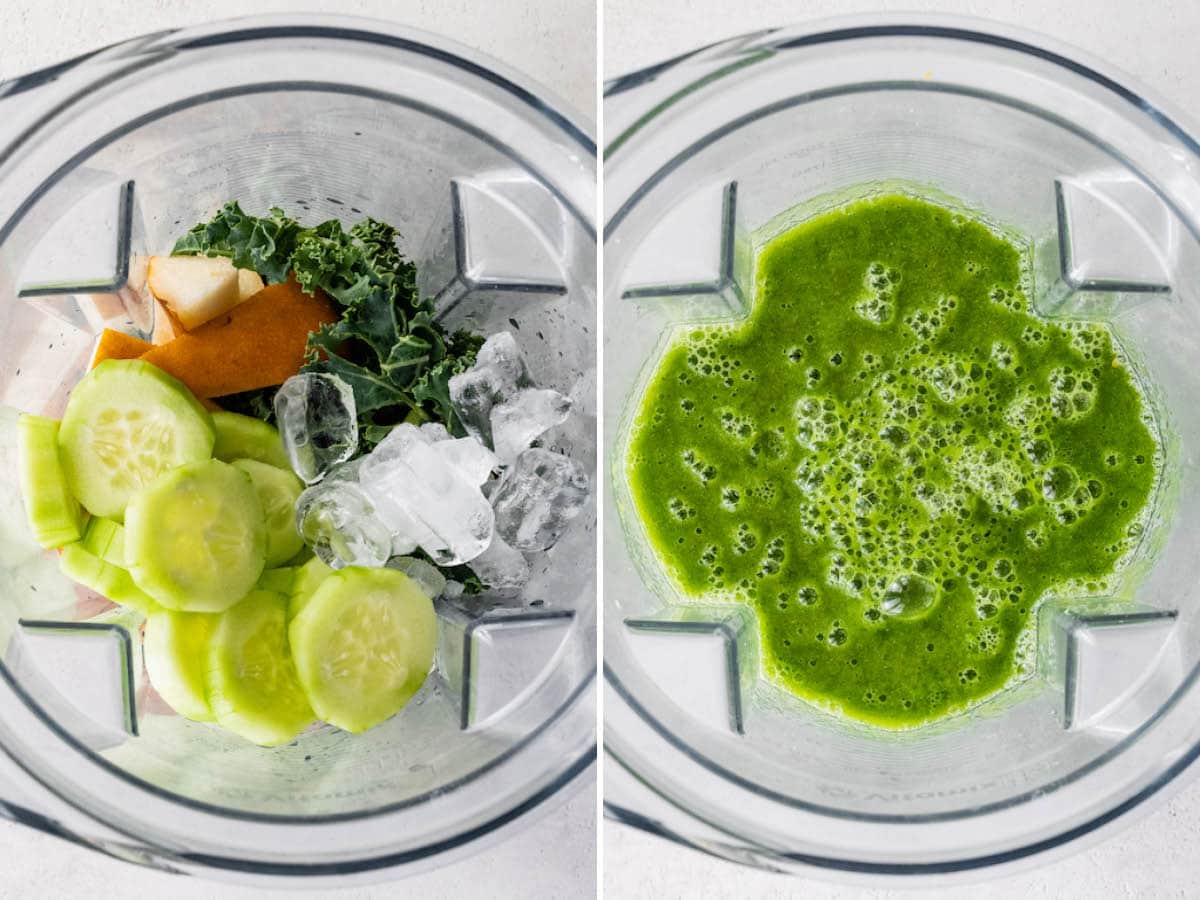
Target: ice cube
408 531
421 495
498 374
501 567
337 519
318 422
500 351
347 471
393 445
428 578
453 590
470 457
538 497
434 432
474 459
521 419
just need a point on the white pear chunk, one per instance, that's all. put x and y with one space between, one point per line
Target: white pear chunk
194 288
249 284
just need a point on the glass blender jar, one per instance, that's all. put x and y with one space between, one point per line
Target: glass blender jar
709 156
108 158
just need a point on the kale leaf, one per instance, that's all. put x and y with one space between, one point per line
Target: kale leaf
258 404
387 344
264 245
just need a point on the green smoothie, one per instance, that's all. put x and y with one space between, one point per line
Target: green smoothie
893 459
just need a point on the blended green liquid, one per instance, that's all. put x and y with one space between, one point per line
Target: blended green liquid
892 459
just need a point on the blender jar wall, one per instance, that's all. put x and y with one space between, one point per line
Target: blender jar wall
337 120
798 122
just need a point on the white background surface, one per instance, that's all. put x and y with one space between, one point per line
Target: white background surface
1159 43
554 41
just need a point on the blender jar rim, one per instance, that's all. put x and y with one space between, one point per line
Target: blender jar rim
518 92
739 56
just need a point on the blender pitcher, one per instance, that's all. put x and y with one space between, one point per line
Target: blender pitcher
109 158
711 155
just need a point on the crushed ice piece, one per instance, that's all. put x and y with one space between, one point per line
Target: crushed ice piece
337 519
347 471
498 373
426 500
392 447
537 498
427 577
453 590
408 530
470 457
435 432
501 567
524 417
318 423
500 352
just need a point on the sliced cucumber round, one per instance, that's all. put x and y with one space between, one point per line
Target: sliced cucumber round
196 539
250 678
53 512
308 578
106 539
242 437
302 557
279 581
127 423
278 490
363 645
175 648
104 578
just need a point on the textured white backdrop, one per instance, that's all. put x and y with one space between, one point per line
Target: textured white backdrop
1156 41
553 41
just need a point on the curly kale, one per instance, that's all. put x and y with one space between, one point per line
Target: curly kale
386 345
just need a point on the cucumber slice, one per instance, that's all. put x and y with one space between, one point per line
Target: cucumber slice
250 678
195 538
280 581
308 578
363 645
278 490
53 512
175 648
104 578
242 437
106 539
127 423
302 557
